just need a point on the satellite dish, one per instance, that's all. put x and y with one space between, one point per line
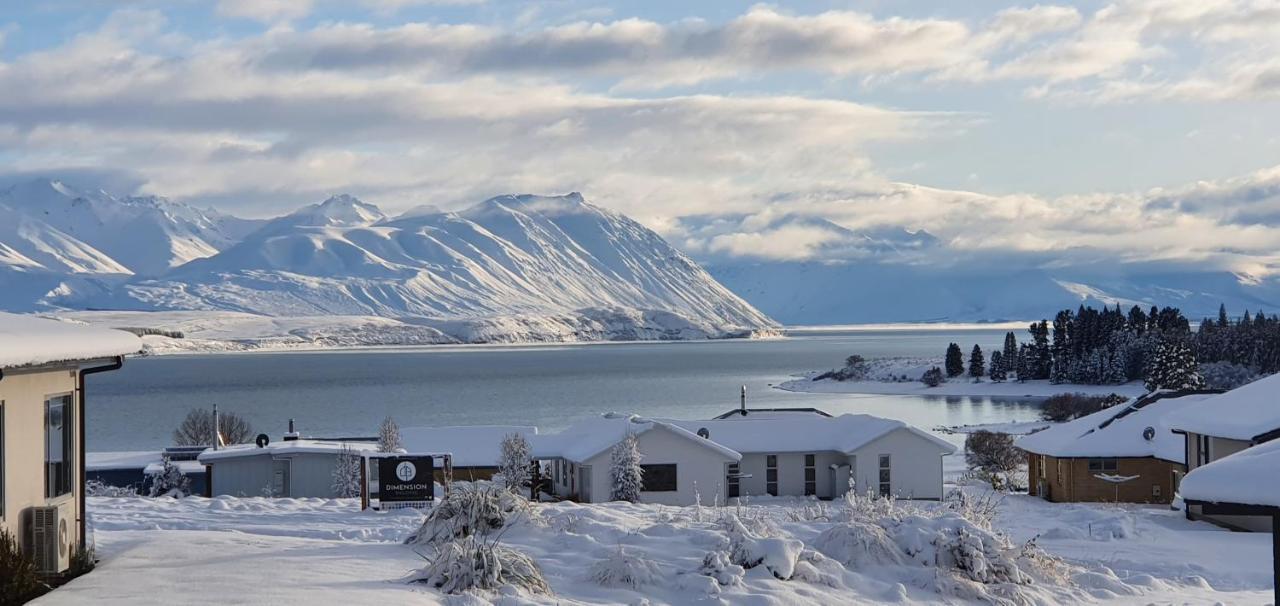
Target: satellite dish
704 434
262 440
1148 433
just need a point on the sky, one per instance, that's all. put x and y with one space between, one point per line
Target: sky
1144 129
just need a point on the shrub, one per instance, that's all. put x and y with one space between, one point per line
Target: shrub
196 428
469 510
992 451
855 369
620 568
98 488
19 580
717 565
476 562
932 377
515 462
1068 406
170 482
389 436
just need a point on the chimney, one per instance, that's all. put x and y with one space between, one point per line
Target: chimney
744 401
292 434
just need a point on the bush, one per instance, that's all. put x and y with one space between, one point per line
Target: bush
855 369
992 452
1068 406
197 428
1226 376
620 568
170 482
932 377
478 563
19 581
469 510
515 462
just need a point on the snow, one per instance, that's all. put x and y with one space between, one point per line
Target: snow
1118 431
590 437
29 340
1016 428
1246 477
257 550
1240 414
471 446
803 433
286 447
136 459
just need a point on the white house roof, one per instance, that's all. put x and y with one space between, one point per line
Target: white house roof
803 432
1118 431
133 459
285 447
30 341
590 437
471 446
1240 414
1245 477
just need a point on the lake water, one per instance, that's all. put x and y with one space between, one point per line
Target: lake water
348 393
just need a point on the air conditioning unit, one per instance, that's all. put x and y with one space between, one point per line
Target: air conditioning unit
50 535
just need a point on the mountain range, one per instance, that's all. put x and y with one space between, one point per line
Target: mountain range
547 268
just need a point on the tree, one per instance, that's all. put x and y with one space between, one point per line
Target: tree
855 368
1068 406
997 372
196 428
170 482
932 377
992 451
955 361
1009 356
1024 363
977 364
389 436
514 462
625 475
1041 356
346 473
1174 367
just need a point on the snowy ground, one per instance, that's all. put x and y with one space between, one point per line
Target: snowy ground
1017 428
255 550
887 378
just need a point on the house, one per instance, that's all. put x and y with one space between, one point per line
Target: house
1067 462
43 369
475 450
786 452
135 469
1240 486
1234 421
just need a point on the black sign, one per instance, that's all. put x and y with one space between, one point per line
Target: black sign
406 478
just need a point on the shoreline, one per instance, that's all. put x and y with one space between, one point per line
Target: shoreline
955 388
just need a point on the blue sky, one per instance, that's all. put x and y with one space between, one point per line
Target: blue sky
965 116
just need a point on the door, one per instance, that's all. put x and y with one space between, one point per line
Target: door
280 478
584 483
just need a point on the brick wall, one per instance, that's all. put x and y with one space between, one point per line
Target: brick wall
1070 480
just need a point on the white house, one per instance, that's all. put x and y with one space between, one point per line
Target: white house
43 364
780 453
1229 423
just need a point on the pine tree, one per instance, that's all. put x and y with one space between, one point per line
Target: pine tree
625 474
954 363
1024 363
1174 367
389 436
514 462
1008 357
1042 357
977 364
170 482
1062 347
998 374
346 473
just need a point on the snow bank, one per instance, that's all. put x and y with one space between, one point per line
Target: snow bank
29 341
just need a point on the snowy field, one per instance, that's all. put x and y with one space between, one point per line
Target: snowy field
255 550
885 378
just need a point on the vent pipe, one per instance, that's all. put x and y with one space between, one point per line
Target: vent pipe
292 434
743 401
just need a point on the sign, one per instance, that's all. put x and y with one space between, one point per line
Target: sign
404 478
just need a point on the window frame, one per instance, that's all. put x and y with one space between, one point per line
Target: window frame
810 475
733 480
771 475
885 462
58 481
1103 464
647 473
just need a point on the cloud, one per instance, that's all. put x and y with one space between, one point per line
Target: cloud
267 11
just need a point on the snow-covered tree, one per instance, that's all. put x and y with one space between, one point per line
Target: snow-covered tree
932 377
954 362
389 436
977 364
625 475
170 482
997 373
514 462
1009 357
1173 367
346 473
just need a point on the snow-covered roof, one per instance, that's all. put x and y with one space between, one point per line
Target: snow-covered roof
804 432
1119 431
1240 414
471 446
30 341
590 437
285 447
1246 477
134 459
186 467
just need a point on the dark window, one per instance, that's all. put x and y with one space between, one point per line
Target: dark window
809 460
58 456
731 480
771 474
886 484
659 478
1102 465
810 475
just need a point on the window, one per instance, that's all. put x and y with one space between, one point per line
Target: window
1042 467
731 480
771 474
1202 457
658 478
810 475
58 455
1102 465
886 480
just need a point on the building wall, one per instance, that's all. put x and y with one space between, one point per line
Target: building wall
1234 522
23 395
915 465
790 473
245 476
696 465
1068 480
1219 448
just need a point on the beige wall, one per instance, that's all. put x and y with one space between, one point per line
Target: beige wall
24 394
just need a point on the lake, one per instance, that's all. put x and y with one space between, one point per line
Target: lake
349 392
